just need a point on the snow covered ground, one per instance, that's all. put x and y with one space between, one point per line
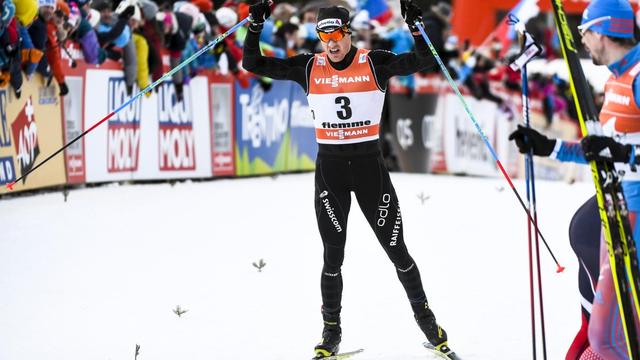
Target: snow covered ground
92 277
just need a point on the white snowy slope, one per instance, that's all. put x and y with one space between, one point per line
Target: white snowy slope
92 277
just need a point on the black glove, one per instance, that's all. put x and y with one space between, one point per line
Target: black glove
127 13
593 145
260 12
64 89
411 13
528 139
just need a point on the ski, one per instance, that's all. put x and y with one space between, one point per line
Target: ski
444 352
341 356
611 202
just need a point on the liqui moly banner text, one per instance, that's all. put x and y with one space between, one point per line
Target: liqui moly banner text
155 137
175 131
123 129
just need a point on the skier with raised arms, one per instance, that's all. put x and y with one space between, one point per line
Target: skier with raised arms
345 87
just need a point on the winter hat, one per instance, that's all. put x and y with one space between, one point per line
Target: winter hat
149 9
331 18
188 9
226 17
26 11
51 3
608 17
63 6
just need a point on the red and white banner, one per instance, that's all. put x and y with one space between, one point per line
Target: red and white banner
154 137
221 93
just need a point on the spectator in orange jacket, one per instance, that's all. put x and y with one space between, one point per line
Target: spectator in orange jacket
43 34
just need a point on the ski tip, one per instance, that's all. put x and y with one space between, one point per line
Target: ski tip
560 269
10 185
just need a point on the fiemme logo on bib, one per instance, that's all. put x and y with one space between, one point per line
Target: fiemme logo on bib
329 23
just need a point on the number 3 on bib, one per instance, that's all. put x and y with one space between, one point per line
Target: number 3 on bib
345 111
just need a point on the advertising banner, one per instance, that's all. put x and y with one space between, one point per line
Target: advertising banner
304 148
222 126
262 122
112 149
72 107
411 120
450 141
176 139
155 137
30 130
465 151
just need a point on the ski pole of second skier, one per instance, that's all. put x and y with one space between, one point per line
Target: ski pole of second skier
531 200
528 182
484 138
167 75
530 49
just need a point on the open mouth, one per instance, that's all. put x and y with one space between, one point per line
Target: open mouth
334 51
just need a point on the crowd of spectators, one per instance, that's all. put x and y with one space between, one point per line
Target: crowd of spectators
33 33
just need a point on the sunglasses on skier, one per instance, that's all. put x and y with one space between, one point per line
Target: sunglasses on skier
582 29
335 35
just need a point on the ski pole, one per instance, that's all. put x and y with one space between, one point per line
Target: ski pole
529 50
522 66
168 74
484 138
531 184
531 188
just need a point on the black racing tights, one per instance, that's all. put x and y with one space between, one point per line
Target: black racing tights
368 179
584 236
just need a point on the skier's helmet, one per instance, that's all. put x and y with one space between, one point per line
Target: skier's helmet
608 17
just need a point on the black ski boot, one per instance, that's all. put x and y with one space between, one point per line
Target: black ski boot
331 334
435 334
